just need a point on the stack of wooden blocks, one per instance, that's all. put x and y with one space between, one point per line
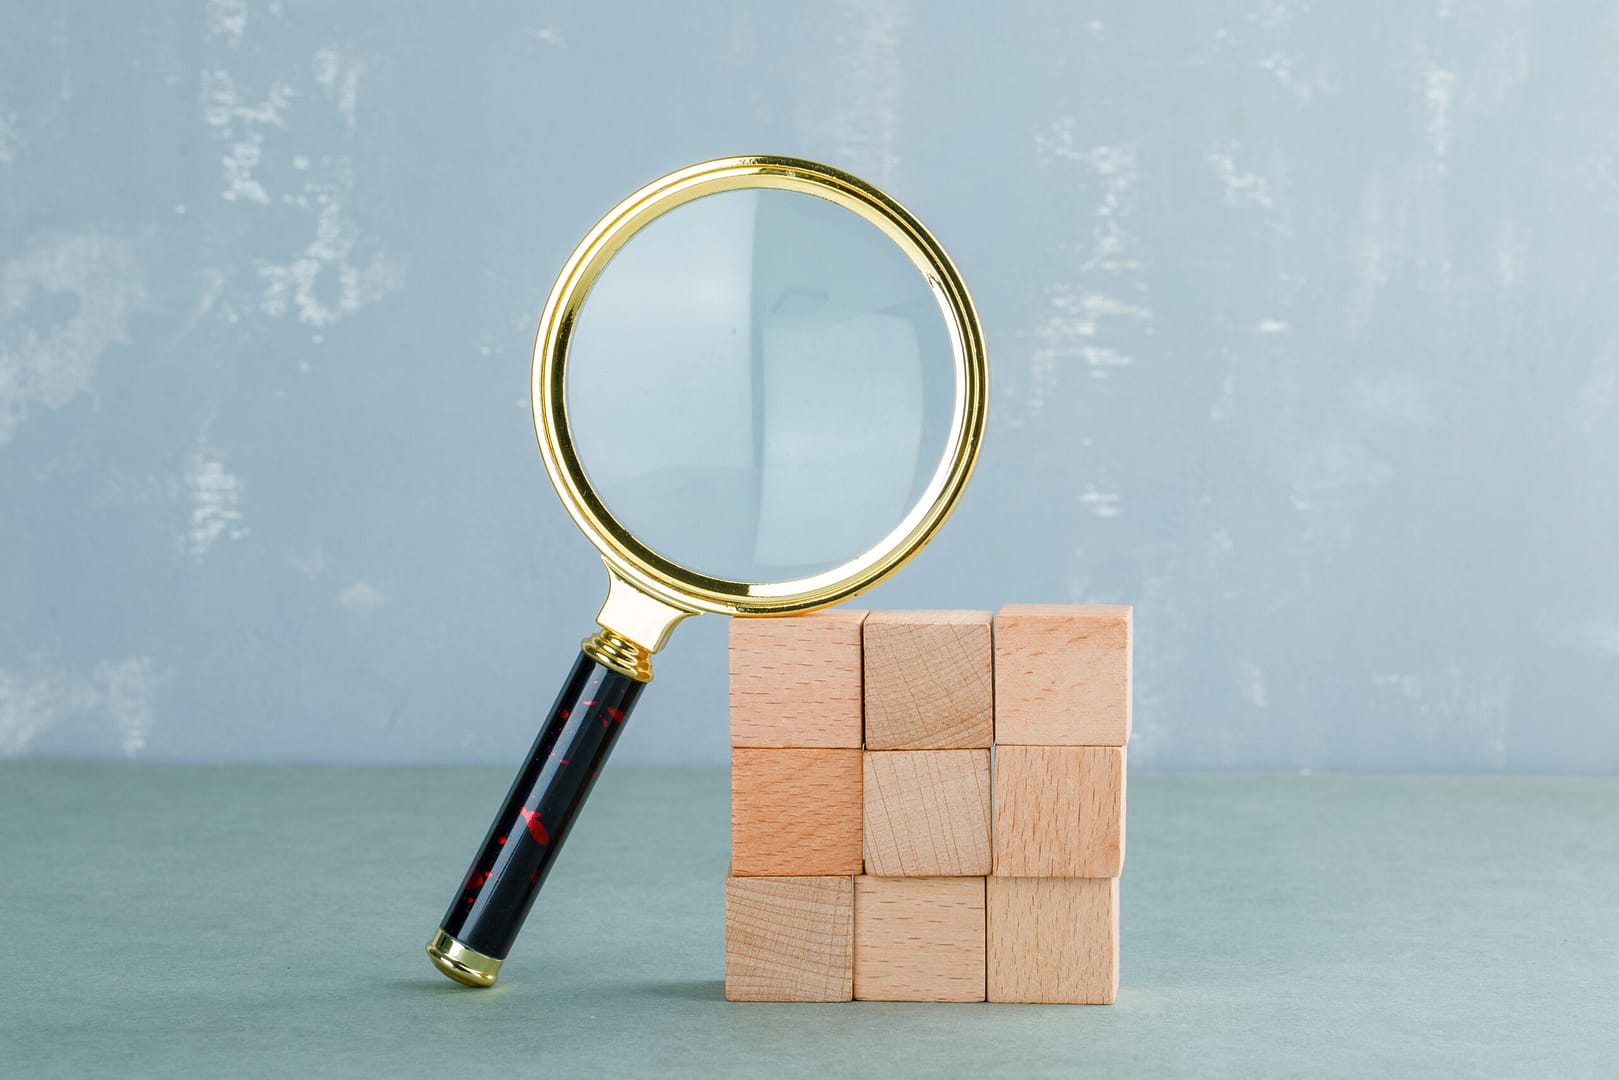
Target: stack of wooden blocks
872 856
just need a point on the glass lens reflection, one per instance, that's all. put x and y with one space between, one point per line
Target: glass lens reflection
760 385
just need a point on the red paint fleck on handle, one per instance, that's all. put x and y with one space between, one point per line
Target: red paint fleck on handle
536 828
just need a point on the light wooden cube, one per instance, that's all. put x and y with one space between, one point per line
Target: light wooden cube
1062 675
919 939
789 939
1059 811
795 682
795 812
927 813
929 684
1053 940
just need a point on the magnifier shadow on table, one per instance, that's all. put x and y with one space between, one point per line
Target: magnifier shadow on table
759 386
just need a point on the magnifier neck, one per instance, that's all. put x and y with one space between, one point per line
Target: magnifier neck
634 625
612 650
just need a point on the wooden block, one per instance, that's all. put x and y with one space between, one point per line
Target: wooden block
1053 940
789 939
919 939
795 681
927 813
929 684
1062 675
795 812
1059 811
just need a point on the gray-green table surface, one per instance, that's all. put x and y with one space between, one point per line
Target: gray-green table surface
167 921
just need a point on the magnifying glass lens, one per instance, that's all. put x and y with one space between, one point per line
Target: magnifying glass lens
760 385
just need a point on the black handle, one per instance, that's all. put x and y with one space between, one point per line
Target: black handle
478 930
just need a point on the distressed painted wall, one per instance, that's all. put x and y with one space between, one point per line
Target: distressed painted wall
1302 316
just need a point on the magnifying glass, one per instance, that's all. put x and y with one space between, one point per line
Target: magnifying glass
759 386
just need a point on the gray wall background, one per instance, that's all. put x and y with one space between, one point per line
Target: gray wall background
1301 316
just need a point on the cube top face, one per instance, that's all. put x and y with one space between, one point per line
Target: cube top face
1059 811
1067 611
919 939
796 681
795 812
928 679
1062 674
927 813
1053 940
789 939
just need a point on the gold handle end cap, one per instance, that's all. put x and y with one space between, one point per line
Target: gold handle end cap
469 967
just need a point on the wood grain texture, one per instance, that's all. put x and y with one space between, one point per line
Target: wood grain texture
1062 675
795 812
919 939
1053 940
1059 811
927 813
929 684
789 939
796 682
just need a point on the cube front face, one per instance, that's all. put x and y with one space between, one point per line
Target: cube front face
789 939
797 682
795 812
1059 811
1062 675
929 682
1053 940
927 813
872 855
919 939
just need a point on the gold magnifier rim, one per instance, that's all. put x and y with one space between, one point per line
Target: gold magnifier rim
680 586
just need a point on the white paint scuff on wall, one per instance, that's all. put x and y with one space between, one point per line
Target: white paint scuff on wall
339 76
1510 249
9 139
1601 636
1337 471
1241 188
1102 504
1082 316
123 691
361 598
1116 250
28 707
862 116
303 285
118 692
1392 395
227 19
1254 687
1596 405
309 564
243 126
1283 67
1440 90
1070 331
327 279
1057 143
1370 261
214 495
46 361
1595 634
